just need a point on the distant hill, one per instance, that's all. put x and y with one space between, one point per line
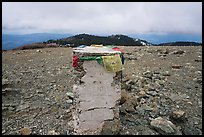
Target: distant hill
11 41
86 39
170 37
56 40
180 43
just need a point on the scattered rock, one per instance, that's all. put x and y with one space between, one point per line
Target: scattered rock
148 74
25 131
129 104
11 108
22 107
176 66
162 55
178 52
127 85
131 57
69 101
163 126
166 73
200 104
198 60
3 131
5 82
124 97
147 80
111 127
152 93
70 94
8 90
53 132
142 93
39 50
39 91
141 110
166 51
178 115
198 80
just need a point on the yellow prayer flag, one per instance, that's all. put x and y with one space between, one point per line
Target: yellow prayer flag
112 63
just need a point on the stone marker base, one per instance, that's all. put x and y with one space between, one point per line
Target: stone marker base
96 99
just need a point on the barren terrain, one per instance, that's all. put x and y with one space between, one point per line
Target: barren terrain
158 82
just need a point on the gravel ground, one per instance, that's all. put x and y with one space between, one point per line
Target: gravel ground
161 91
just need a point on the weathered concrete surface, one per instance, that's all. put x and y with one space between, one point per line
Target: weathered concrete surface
96 99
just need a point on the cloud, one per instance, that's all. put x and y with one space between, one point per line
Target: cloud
103 17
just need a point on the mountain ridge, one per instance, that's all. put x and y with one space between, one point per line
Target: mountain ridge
87 39
14 41
11 41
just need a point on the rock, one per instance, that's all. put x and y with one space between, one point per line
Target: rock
198 72
131 57
39 91
111 127
176 66
128 84
69 101
5 81
70 94
178 52
67 116
200 104
3 131
166 51
198 60
143 109
142 101
25 131
129 104
11 108
7 90
166 73
156 72
39 50
178 115
161 55
157 76
148 74
52 132
150 87
124 97
152 93
22 107
198 80
163 126
10 105
142 93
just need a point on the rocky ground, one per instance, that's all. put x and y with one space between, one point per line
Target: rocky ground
161 91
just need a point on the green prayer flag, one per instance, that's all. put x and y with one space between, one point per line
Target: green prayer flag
88 58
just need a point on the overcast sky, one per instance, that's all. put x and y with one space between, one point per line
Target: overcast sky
102 17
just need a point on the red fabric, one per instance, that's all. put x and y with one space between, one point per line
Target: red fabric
75 61
118 49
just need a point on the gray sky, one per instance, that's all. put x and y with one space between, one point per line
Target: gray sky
102 17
